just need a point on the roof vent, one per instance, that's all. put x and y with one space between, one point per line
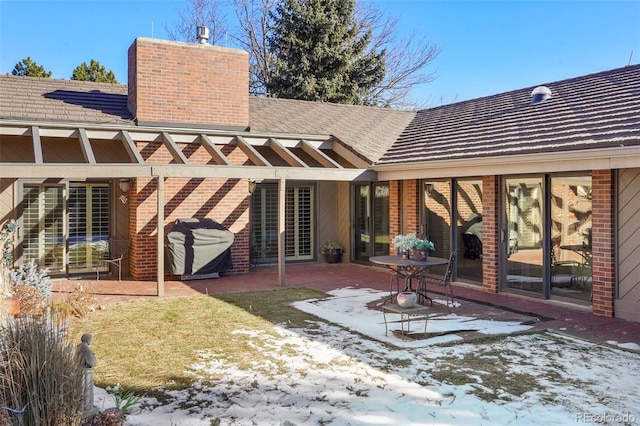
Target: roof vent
540 94
202 34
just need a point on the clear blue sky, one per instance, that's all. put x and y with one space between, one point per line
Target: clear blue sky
487 47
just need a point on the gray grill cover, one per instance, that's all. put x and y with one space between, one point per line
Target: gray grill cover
199 248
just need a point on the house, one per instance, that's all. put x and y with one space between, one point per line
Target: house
544 179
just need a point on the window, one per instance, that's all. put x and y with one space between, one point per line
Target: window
299 231
66 225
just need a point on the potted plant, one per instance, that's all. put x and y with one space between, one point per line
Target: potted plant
332 251
404 244
422 248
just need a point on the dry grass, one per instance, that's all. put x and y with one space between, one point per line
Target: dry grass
39 372
153 343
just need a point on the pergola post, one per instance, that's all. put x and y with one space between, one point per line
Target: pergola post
160 234
282 192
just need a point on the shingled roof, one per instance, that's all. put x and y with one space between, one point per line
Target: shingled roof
51 100
594 111
367 131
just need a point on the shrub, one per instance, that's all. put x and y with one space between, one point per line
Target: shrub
108 417
31 300
31 275
81 302
39 372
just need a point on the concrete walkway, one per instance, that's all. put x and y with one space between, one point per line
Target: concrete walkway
567 318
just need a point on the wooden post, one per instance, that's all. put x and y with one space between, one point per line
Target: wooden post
282 192
160 233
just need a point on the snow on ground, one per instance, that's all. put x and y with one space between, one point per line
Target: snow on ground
345 371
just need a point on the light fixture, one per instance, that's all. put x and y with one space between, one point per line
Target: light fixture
125 186
429 188
252 186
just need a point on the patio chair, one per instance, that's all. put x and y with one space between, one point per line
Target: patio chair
563 272
446 283
118 245
117 262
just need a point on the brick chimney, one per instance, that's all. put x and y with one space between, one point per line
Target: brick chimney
174 83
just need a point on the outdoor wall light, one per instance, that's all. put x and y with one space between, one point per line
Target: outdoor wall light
125 186
252 186
429 188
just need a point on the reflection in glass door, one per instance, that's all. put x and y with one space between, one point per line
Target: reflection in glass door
362 223
469 230
371 220
88 209
524 234
570 252
66 228
436 220
44 222
299 219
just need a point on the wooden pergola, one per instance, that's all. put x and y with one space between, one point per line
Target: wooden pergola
24 155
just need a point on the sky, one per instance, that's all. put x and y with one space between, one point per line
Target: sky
487 47
338 371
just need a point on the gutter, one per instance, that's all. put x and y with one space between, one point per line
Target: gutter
549 162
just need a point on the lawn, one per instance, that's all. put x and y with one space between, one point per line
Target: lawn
152 343
252 358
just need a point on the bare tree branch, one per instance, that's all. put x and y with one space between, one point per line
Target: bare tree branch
198 13
407 59
253 19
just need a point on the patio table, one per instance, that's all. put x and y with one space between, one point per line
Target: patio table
408 268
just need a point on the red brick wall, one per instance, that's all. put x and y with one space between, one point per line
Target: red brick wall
223 200
411 207
490 233
395 210
603 242
173 82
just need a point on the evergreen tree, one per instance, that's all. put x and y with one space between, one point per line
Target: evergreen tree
28 68
93 72
321 53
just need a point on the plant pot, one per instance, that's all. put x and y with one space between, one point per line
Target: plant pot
422 255
333 256
12 305
407 299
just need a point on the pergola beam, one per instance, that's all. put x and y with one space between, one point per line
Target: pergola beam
255 157
37 145
173 148
287 155
319 156
214 151
85 144
130 147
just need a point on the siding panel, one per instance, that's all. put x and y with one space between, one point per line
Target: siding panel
627 304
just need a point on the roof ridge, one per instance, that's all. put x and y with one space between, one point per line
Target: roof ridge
332 104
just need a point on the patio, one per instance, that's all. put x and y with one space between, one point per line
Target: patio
539 315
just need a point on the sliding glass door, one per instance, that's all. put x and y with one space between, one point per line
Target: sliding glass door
547 236
371 220
299 219
66 227
43 221
469 230
523 245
